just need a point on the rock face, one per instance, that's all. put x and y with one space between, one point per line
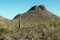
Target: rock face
42 7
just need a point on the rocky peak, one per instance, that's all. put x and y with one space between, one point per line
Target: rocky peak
38 7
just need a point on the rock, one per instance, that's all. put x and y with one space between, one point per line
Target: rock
34 8
42 7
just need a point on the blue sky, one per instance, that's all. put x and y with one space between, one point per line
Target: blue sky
10 8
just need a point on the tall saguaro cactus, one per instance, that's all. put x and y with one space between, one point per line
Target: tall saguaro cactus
19 23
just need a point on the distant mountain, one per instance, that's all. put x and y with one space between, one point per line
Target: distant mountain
36 11
36 14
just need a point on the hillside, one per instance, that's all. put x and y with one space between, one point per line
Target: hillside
36 24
